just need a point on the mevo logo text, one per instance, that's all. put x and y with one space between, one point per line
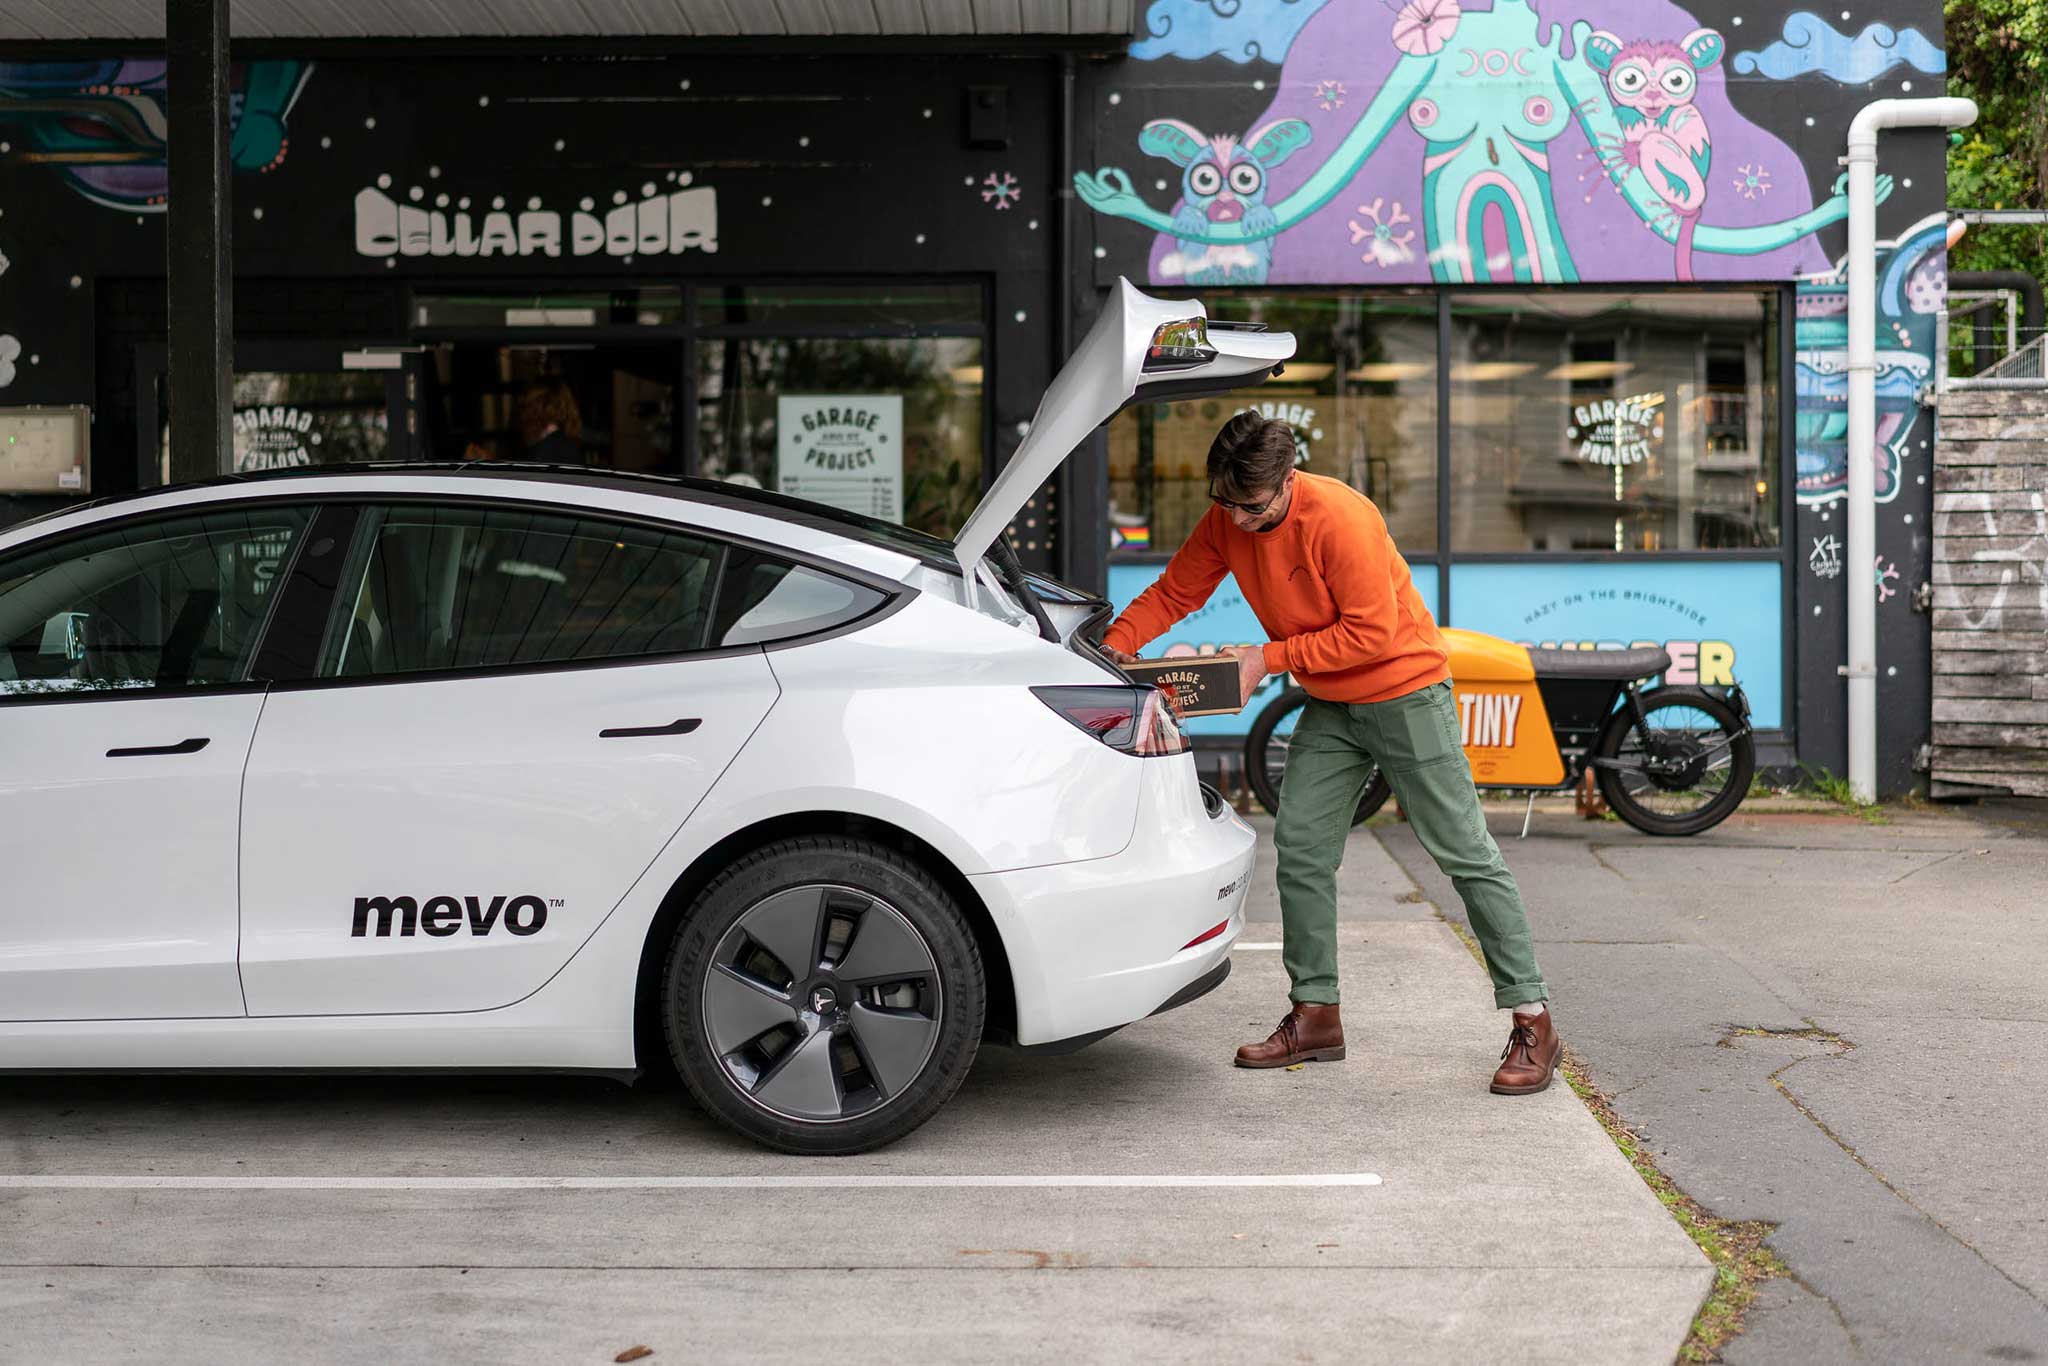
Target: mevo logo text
441 916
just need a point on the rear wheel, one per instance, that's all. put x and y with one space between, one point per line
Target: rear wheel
1265 756
824 995
1684 770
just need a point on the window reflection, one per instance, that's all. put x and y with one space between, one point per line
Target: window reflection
1587 421
1360 395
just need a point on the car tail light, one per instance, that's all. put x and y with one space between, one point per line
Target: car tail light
1133 720
1179 345
1205 936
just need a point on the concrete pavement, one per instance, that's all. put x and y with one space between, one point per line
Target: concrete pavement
1835 1026
1500 1228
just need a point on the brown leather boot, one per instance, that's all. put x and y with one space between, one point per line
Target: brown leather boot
1310 1033
1530 1059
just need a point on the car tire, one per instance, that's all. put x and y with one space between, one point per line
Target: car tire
851 1050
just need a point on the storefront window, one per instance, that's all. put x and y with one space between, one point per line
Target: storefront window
1360 395
889 427
656 306
609 406
904 306
1592 421
284 419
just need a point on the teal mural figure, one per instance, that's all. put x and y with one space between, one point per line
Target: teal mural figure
102 121
1486 96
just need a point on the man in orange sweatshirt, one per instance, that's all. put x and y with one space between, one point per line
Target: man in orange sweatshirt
1319 569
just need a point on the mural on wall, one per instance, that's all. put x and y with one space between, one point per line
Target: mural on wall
1912 283
1537 141
101 122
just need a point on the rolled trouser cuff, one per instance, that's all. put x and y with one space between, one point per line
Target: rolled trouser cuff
1520 995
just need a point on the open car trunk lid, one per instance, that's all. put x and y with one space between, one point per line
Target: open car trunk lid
1140 349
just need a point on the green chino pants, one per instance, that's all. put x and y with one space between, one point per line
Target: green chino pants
1414 739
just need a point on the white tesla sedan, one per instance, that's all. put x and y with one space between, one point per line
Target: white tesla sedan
474 767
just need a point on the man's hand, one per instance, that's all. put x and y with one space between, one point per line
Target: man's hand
1251 671
1118 656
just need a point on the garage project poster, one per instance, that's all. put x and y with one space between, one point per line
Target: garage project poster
844 450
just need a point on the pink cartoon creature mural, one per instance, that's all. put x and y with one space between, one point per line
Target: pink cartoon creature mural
1223 180
1663 133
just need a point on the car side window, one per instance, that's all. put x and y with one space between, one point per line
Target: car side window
475 588
170 603
764 599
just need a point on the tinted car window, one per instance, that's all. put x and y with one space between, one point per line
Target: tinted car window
462 588
765 599
172 603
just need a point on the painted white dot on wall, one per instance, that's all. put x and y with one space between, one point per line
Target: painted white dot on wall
1845 16
327 142
383 182
627 259
1101 252
534 202
618 196
390 264
1737 21
415 194
969 182
1908 182
560 143
1816 609
1809 120
76 281
497 201
1909 519
483 101
686 177
1923 478
1891 671
369 123
648 190
1020 315
1033 225
767 201
1158 184
257 212
440 201
1115 98
462 203
433 172
803 142
927 113
1023 429
35 360
920 239
1258 85
682 85
586 203
1905 85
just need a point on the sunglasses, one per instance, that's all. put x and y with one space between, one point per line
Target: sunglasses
1251 509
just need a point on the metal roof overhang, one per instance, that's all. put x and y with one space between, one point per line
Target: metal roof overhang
359 20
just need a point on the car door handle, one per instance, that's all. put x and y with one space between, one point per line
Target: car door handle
682 727
192 746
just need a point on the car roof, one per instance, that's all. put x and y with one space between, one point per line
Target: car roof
711 493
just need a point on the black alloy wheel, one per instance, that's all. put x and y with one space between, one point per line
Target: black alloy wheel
824 995
1265 757
1684 770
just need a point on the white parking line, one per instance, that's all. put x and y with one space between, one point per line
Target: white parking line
433 1183
1270 948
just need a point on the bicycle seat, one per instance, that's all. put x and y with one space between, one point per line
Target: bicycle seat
1615 664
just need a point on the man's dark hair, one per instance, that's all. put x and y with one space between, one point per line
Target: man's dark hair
1250 456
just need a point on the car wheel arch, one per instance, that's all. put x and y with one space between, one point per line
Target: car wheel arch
648 1042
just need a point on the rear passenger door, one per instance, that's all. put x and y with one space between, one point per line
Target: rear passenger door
515 709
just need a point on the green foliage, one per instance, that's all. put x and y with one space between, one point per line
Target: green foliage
1998 56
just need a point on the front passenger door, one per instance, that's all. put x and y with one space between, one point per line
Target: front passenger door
515 712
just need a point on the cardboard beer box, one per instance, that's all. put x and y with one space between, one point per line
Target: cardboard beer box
1200 685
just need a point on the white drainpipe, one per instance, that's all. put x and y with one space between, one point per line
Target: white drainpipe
1862 159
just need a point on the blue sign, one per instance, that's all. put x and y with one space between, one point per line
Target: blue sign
1722 622
1224 622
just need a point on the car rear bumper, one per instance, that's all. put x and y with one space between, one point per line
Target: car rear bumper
1098 944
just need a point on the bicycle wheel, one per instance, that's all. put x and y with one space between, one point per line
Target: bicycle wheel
1265 756
1684 770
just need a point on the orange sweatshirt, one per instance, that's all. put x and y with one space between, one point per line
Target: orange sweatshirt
1328 586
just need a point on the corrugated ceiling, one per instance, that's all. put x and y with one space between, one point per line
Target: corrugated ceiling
87 19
